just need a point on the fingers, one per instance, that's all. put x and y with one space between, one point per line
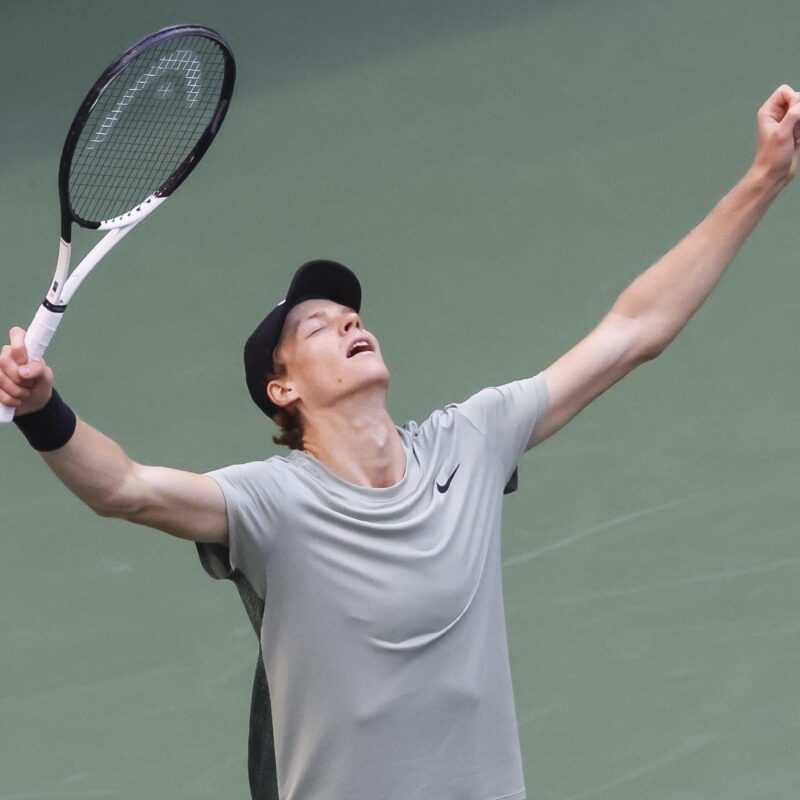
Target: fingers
779 135
16 337
778 103
13 387
12 394
790 119
14 357
18 384
17 375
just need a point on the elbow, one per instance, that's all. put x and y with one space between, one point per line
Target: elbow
637 340
102 511
108 511
650 350
653 340
119 503
109 508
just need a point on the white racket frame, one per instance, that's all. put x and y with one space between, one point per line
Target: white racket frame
62 288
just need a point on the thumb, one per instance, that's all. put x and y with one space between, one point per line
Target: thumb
36 374
32 370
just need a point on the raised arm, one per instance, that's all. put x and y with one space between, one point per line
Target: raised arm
651 312
99 472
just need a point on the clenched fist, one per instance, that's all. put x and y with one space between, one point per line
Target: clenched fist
24 385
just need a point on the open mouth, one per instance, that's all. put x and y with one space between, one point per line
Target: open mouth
360 346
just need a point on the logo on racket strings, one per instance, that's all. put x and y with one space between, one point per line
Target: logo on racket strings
162 74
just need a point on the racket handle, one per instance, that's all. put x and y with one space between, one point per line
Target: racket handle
41 330
37 338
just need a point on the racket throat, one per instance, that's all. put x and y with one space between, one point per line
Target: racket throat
55 308
53 298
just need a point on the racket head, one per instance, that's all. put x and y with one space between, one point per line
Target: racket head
144 126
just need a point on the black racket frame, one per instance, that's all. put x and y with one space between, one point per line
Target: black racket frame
68 215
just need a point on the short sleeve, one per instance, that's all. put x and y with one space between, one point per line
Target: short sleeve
250 492
507 416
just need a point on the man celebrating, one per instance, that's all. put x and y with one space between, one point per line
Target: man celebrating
383 637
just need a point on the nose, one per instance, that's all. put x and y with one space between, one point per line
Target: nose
351 320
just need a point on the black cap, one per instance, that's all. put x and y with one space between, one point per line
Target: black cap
327 280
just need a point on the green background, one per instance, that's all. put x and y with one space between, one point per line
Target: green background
496 172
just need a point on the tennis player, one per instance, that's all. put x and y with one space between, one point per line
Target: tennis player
377 547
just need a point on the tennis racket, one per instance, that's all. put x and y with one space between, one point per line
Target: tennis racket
142 128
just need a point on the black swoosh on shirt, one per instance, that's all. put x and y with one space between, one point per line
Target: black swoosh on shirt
443 487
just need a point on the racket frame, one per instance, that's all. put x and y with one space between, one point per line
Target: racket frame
61 288
63 285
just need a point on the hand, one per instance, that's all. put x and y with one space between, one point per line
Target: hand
24 385
779 134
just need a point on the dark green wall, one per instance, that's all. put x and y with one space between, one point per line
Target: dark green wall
496 172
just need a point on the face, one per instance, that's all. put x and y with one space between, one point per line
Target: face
329 357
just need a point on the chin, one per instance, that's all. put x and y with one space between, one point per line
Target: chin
379 376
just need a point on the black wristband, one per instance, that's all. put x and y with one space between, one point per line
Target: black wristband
50 427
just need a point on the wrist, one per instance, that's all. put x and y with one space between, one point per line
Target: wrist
49 428
765 182
28 407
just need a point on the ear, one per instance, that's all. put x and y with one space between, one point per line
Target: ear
281 392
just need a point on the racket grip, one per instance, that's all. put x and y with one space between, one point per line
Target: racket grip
37 338
41 330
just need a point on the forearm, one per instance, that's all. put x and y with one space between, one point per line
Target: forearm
96 470
665 297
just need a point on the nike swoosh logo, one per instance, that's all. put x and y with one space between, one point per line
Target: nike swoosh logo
443 487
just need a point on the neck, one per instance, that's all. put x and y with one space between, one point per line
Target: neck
357 442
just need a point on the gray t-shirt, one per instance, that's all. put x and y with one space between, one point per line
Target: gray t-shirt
383 633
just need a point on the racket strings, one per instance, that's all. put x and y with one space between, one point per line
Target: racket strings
144 125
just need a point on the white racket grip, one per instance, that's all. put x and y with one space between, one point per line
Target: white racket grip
40 332
37 338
